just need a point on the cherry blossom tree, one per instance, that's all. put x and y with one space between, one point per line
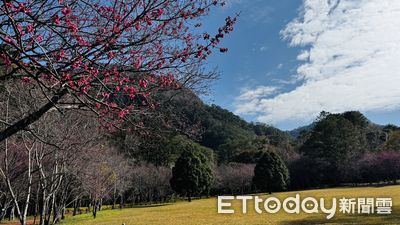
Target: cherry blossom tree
38 164
234 178
108 57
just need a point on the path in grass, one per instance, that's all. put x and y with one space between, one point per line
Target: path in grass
203 212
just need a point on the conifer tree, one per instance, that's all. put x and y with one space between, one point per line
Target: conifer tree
271 173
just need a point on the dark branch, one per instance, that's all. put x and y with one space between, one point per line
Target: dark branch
31 118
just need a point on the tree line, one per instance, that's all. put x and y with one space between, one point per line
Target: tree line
177 156
346 148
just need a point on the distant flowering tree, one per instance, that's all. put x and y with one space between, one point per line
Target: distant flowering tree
105 56
380 166
234 178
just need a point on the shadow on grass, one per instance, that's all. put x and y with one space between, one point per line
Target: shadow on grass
148 206
348 219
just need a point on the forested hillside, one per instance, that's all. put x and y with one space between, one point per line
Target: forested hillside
334 149
183 116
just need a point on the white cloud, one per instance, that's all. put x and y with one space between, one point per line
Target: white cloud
258 92
254 11
303 56
250 98
263 48
351 61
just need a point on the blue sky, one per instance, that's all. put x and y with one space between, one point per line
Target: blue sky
290 59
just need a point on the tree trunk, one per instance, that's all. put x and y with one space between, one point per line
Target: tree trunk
55 214
94 209
5 206
50 208
35 214
22 220
28 192
121 201
89 206
44 209
114 196
12 213
75 207
189 198
79 206
63 212
100 204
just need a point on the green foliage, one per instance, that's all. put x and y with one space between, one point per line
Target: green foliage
393 142
230 136
271 173
275 136
334 142
222 126
183 113
390 127
228 150
173 148
250 157
219 134
192 174
357 119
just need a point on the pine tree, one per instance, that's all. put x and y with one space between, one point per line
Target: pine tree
192 174
271 173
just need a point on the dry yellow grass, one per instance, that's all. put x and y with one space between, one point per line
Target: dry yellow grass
204 212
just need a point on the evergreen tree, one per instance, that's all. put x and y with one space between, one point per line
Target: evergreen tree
270 173
192 174
393 142
335 142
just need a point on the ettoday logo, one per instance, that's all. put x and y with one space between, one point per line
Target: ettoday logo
309 205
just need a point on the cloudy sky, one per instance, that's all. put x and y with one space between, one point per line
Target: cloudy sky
289 60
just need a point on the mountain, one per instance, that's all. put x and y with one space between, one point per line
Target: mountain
295 133
182 116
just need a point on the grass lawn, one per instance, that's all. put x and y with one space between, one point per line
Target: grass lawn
202 212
